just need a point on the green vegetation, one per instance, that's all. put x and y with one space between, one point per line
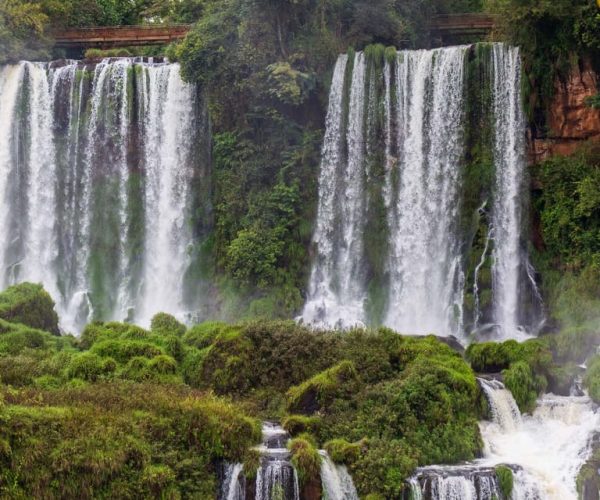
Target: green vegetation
119 409
505 480
30 305
553 35
592 378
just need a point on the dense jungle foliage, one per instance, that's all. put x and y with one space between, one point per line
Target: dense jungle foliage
127 412
265 65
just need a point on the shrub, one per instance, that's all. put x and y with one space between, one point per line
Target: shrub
592 378
123 350
318 391
305 459
297 424
203 334
164 324
341 451
90 367
31 305
163 365
524 385
505 480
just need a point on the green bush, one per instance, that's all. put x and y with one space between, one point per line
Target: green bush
164 324
592 378
297 424
305 459
505 480
525 386
31 305
319 391
123 350
341 451
90 367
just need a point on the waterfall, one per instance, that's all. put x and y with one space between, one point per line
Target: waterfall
503 406
396 143
545 451
509 157
337 483
104 175
337 293
550 445
424 261
276 477
455 483
233 483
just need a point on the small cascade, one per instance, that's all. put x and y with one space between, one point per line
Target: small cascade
276 477
545 451
104 175
233 484
503 406
549 446
337 482
455 483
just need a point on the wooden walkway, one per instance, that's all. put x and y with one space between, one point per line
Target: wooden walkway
119 36
462 24
124 36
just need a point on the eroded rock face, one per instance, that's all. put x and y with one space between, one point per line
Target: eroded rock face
570 120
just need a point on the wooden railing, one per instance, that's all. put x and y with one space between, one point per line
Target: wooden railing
124 36
462 24
119 36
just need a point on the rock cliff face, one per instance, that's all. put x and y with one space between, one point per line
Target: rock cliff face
570 121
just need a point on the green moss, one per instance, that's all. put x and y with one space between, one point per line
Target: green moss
321 389
341 451
305 459
165 324
31 305
524 385
296 424
505 480
592 378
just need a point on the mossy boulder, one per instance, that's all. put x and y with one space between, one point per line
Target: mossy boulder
29 304
320 390
164 324
592 378
343 452
307 462
297 424
505 480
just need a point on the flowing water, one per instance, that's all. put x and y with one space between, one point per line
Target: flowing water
98 165
545 450
337 482
416 106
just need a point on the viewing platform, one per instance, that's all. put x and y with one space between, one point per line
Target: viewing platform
452 25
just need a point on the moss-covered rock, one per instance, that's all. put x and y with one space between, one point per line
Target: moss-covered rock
31 305
592 378
297 424
306 460
317 392
343 452
505 480
164 324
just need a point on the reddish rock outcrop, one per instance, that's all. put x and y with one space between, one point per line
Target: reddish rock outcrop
570 120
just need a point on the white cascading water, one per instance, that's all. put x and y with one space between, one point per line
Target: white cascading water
336 481
425 261
96 168
509 158
337 290
550 445
424 98
545 450
233 483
